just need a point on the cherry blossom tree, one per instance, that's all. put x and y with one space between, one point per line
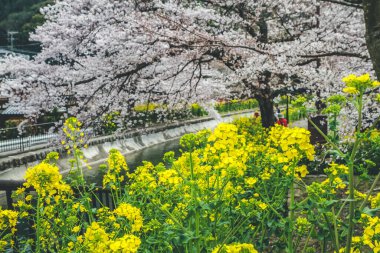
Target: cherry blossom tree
371 10
111 55
372 20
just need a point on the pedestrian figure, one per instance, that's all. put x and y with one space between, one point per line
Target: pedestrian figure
281 120
277 111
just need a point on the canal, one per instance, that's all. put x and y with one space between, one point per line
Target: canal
152 154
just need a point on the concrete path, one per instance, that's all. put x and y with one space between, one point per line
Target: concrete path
299 123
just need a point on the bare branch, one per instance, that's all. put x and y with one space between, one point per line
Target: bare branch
347 54
346 3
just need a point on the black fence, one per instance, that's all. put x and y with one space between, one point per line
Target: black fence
22 138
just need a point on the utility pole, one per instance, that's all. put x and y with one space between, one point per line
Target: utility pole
11 39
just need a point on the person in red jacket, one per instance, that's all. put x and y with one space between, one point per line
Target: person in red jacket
281 120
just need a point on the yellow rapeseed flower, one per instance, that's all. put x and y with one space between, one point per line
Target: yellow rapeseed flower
375 201
375 84
349 78
43 177
75 229
351 90
235 248
133 214
364 78
8 220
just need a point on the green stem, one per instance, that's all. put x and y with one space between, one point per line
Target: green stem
291 213
351 208
85 193
342 207
38 242
197 231
194 200
370 192
307 239
297 242
331 231
351 176
324 245
326 138
263 232
272 208
337 245
261 228
172 217
232 232
336 129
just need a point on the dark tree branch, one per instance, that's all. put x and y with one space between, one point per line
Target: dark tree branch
317 60
85 81
347 54
356 4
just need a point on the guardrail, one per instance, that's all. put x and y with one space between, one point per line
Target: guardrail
24 137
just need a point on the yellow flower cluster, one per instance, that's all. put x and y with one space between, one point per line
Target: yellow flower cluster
357 84
336 169
353 249
250 181
117 169
97 240
375 201
371 234
143 179
223 157
226 167
74 135
332 184
251 129
293 142
299 171
109 121
132 213
125 244
169 177
45 179
302 225
145 107
235 248
8 221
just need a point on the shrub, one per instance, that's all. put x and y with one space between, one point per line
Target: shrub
236 105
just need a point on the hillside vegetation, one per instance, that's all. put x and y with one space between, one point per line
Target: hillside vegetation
22 16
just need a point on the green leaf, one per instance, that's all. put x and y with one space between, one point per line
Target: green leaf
331 202
371 212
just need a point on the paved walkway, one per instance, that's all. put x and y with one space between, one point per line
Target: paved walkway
299 123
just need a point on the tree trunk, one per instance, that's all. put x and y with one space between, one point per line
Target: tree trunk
266 110
372 21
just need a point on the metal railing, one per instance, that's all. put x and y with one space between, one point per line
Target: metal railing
24 137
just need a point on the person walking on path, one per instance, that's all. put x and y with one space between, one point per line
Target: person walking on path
281 120
277 111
